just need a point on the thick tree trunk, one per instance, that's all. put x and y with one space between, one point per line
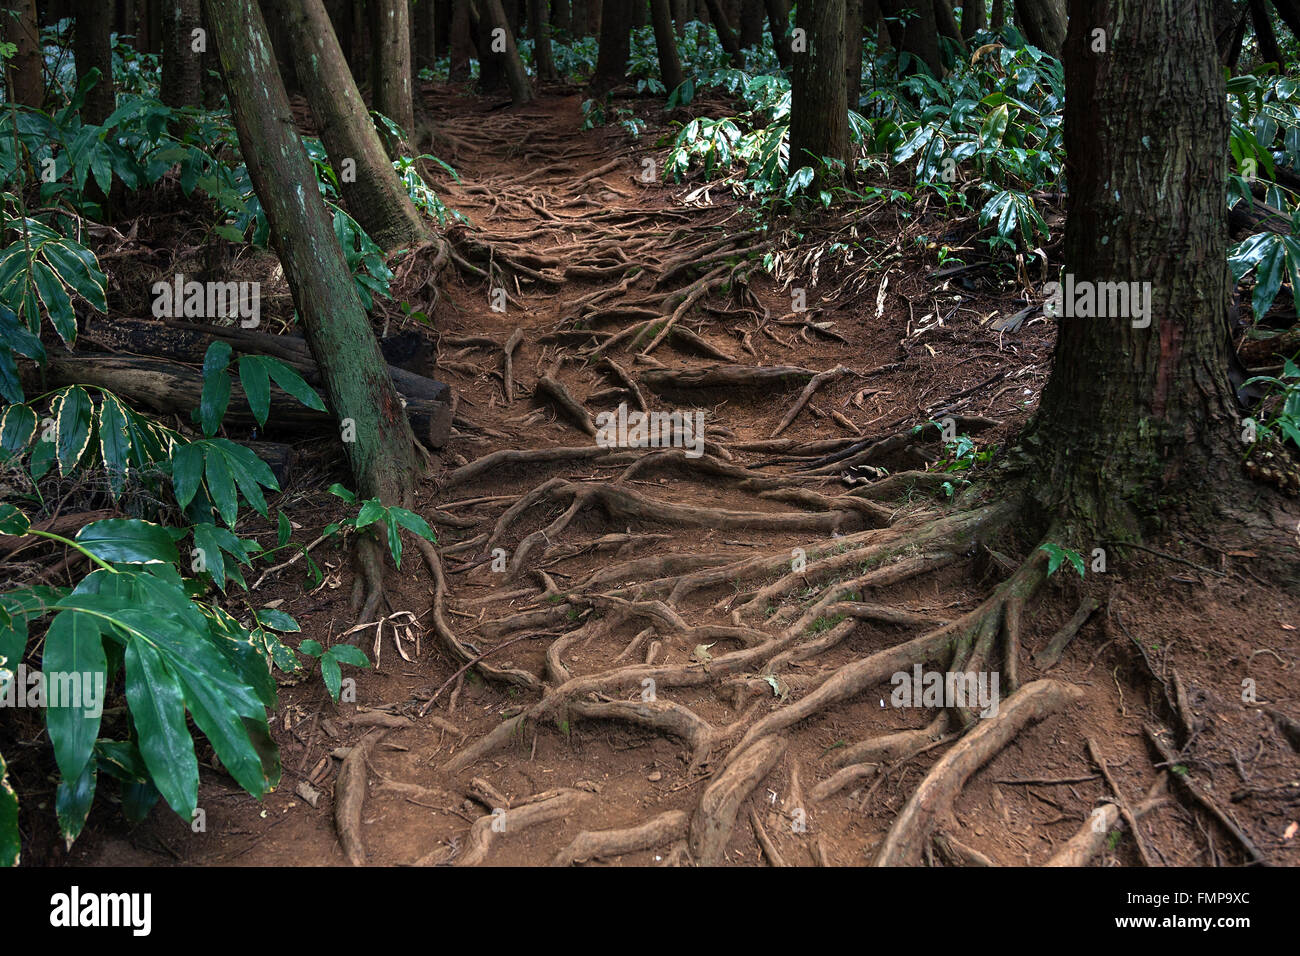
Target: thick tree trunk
539 25
946 21
92 48
391 64
501 45
562 16
778 21
371 190
1043 23
462 45
1138 419
24 79
819 110
182 65
999 17
725 34
1269 51
751 24
972 18
615 45
670 65
581 18
920 36
383 456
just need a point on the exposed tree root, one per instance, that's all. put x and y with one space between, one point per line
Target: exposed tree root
503 823
666 827
715 817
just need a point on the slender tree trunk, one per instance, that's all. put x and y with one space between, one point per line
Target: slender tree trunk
920 35
1269 51
581 18
182 66
383 456
725 34
462 45
540 27
562 16
424 14
92 49
778 21
946 21
501 44
615 45
1288 12
391 63
24 81
853 51
670 65
1043 23
819 109
209 66
373 194
999 19
1139 419
751 24
973 16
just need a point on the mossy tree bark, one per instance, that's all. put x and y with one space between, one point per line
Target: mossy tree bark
390 65
383 456
1136 422
374 195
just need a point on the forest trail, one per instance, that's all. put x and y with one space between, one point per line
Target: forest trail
683 605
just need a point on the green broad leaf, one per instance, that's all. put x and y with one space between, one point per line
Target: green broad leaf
1269 272
73 414
129 540
18 337
229 233
114 442
372 510
331 674
339 491
221 484
10 839
158 713
56 300
209 545
350 654
311 648
413 523
121 760
72 802
11 386
293 383
223 725
284 530
277 619
75 684
255 379
17 427
187 472
216 387
12 521
138 798
250 473
78 267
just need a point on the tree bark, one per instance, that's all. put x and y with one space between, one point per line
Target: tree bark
853 52
615 45
946 21
778 21
1043 23
999 18
391 65
182 65
920 35
751 24
371 190
1137 420
462 45
819 111
539 26
725 33
972 18
92 48
501 45
24 79
424 20
670 65
1269 51
383 456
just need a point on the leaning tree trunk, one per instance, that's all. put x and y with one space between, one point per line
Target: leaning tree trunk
615 45
92 48
1269 51
1043 23
778 21
819 106
374 195
539 26
670 64
725 34
501 44
383 455
391 65
1139 419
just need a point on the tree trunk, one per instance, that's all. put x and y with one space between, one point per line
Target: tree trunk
1289 13
725 34
1136 420
999 19
946 21
972 18
819 109
182 65
371 190
751 24
501 44
853 52
391 64
92 48
462 45
24 79
383 456
778 21
615 45
581 18
540 27
670 65
562 16
920 35
1269 51
1043 23
424 15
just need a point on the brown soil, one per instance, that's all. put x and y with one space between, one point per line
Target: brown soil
522 175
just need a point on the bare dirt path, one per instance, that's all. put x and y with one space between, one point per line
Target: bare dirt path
689 656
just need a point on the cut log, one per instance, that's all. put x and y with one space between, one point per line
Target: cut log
169 387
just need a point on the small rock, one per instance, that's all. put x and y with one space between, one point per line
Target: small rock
655 776
307 792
